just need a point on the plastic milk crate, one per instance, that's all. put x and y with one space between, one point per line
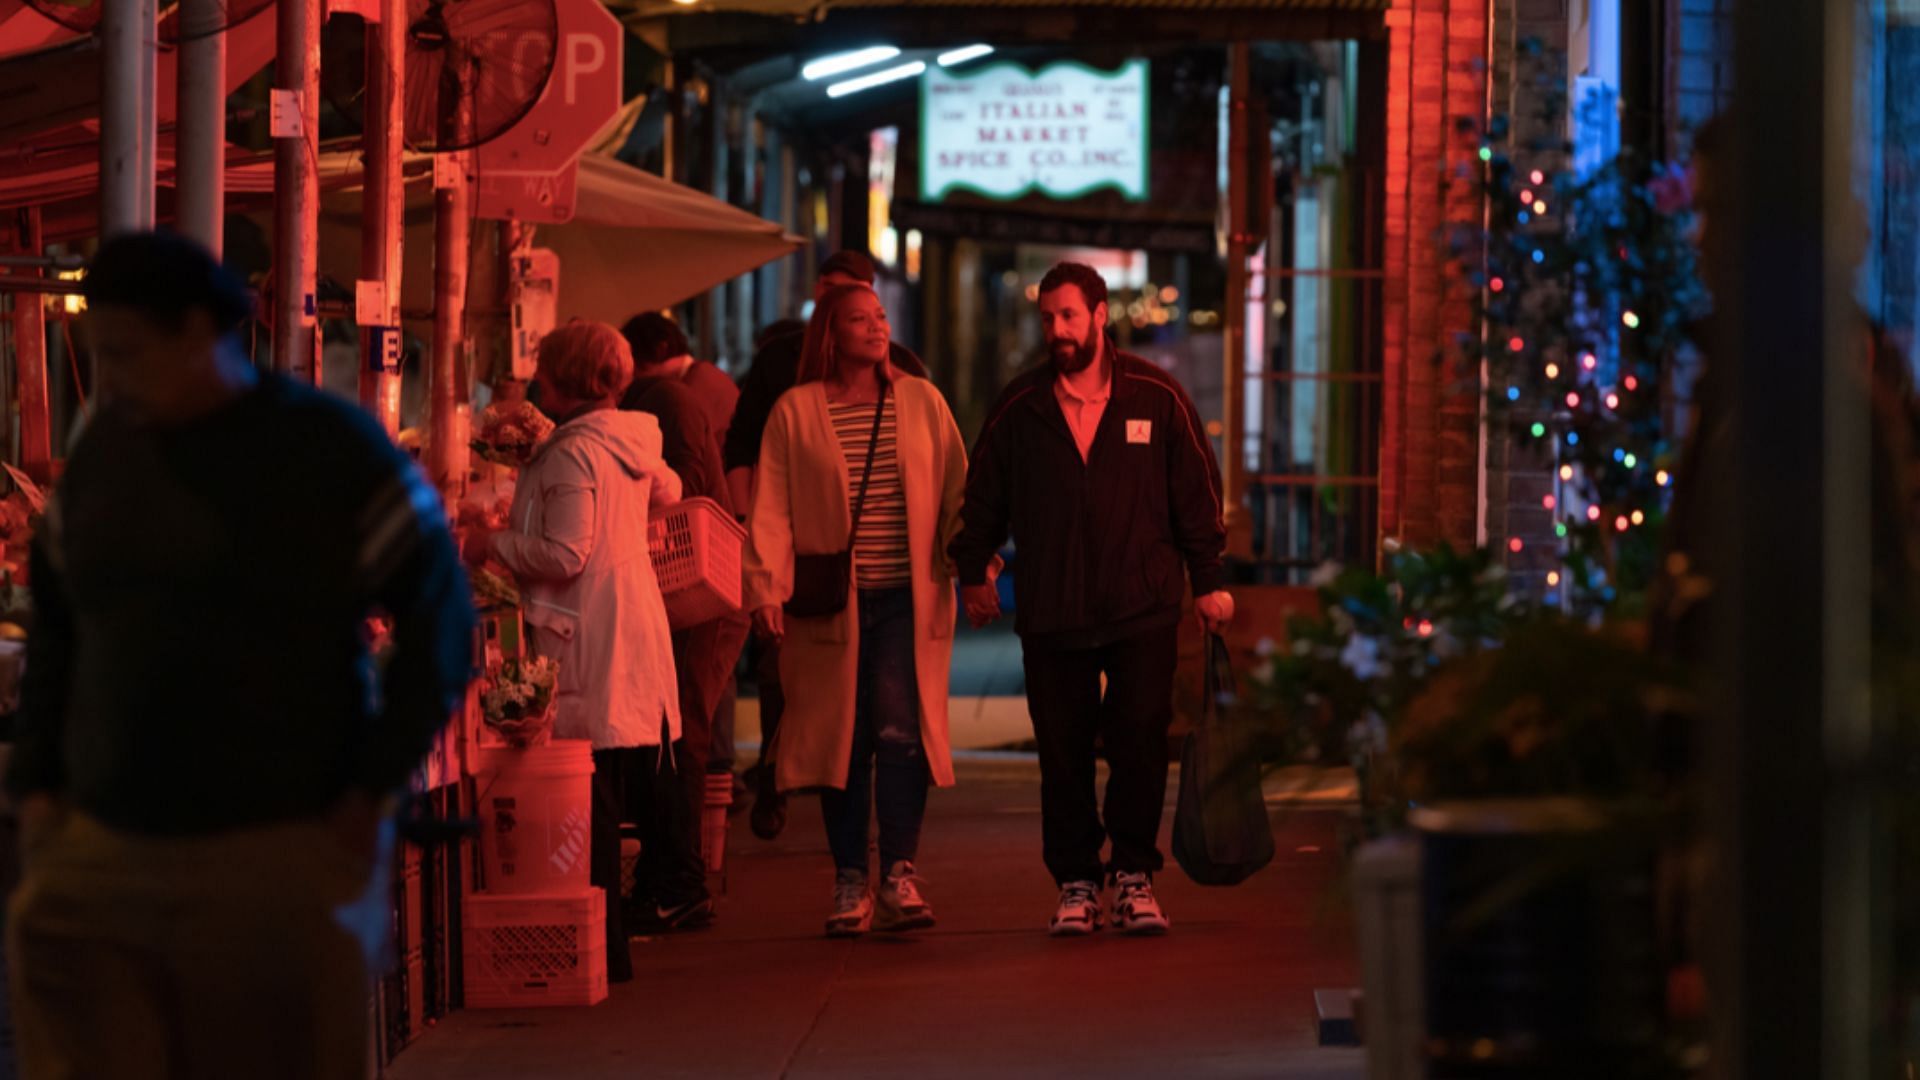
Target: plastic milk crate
523 951
696 555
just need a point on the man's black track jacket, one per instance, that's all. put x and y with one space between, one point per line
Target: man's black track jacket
1100 544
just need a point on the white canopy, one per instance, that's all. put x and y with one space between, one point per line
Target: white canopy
637 242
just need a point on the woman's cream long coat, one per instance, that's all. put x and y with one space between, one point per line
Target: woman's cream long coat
801 504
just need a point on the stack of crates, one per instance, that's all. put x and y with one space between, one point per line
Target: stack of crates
523 951
423 984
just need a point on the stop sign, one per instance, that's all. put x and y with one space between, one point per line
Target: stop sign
580 97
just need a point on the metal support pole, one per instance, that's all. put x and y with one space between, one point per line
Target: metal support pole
128 128
296 187
717 330
1796 959
202 147
452 249
382 227
1233 337
30 364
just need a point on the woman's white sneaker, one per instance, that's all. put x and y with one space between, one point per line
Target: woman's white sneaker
852 905
1135 910
900 907
1079 910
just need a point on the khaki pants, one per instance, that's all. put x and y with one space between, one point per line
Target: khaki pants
196 957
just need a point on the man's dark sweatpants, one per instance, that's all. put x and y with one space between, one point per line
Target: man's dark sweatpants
1063 695
703 657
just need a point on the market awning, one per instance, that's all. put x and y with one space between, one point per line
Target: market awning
637 242
803 9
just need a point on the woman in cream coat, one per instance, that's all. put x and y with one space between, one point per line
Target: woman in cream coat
866 689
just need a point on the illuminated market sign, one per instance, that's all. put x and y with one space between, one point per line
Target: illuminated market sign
1004 131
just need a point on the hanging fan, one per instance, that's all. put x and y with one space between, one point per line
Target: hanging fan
497 55
80 15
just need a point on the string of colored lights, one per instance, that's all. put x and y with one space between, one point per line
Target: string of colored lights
1587 292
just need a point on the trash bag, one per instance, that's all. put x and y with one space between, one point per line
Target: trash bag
1221 834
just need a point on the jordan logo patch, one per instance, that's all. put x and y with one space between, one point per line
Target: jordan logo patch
1139 432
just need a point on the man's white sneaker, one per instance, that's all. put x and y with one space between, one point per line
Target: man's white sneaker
1079 910
852 905
900 906
1135 910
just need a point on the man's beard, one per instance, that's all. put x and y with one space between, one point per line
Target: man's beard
1073 357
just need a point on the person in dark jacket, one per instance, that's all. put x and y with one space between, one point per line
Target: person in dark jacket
776 367
694 403
1098 465
207 748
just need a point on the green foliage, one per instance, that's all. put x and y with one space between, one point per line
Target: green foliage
1333 691
1560 709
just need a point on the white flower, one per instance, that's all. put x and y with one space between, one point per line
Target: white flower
1302 646
1325 574
1362 656
1264 647
1368 736
1342 620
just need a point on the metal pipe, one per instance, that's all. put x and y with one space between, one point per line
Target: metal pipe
51 286
452 249
296 186
383 228
1233 337
202 146
30 366
128 127
43 262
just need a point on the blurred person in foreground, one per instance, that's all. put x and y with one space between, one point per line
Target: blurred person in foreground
576 539
776 367
1097 464
693 401
207 757
1687 587
862 464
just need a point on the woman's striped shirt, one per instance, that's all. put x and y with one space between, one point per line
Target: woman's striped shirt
881 558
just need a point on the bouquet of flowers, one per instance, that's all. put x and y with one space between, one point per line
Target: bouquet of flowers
509 433
518 701
490 590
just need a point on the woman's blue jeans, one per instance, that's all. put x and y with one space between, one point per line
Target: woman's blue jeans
888 771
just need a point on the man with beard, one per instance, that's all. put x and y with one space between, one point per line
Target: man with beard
1098 465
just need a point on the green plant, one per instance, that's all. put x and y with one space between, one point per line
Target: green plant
1561 709
1334 689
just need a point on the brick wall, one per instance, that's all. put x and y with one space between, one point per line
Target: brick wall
1436 105
1520 471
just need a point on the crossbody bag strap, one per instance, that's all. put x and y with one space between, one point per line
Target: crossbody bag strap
866 474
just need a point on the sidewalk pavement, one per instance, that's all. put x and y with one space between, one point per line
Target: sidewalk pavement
1229 993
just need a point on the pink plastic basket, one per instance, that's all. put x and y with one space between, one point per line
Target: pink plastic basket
696 555
530 951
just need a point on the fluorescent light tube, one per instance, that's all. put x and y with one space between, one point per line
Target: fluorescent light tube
962 55
878 78
841 63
